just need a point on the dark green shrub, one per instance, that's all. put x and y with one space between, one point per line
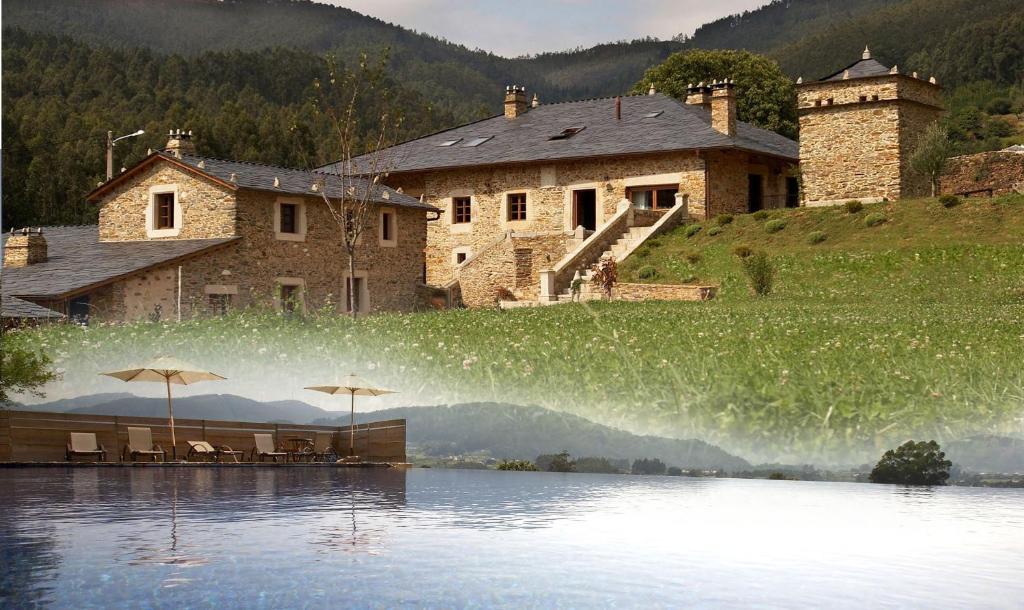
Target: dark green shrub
691 230
999 105
715 230
853 206
760 214
949 201
647 272
774 226
521 465
816 237
692 256
873 220
723 219
674 471
742 251
760 273
921 463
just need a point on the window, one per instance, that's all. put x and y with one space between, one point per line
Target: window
863 98
388 232
652 197
289 298
477 141
164 211
356 286
817 102
450 142
218 304
462 210
289 218
567 133
517 206
78 310
460 257
874 98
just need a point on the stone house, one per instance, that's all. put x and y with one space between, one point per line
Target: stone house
858 129
180 234
545 187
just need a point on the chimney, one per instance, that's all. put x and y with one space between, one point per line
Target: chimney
515 101
179 142
25 247
699 95
723 107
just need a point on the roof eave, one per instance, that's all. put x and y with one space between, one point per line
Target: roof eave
97 193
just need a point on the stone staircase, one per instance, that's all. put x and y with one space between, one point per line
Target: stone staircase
619 250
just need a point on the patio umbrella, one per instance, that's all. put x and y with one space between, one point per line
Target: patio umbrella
352 386
168 371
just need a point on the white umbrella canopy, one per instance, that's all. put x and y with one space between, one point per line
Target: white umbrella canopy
352 386
167 370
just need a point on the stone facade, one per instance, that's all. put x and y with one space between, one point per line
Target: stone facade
251 270
548 229
857 136
984 174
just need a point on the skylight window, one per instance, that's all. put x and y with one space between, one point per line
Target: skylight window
450 142
477 141
567 133
652 115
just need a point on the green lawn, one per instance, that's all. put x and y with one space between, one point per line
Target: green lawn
911 328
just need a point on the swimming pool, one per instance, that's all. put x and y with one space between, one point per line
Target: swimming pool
321 537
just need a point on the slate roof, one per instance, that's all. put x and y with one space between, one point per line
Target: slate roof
13 307
861 68
677 126
258 176
78 260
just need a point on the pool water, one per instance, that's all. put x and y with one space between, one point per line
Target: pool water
330 538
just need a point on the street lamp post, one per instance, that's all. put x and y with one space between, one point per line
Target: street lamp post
111 141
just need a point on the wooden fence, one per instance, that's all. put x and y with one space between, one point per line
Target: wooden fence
35 436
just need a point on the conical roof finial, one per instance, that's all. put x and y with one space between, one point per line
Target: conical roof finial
867 52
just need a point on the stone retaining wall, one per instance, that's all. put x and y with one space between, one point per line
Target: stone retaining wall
985 174
663 292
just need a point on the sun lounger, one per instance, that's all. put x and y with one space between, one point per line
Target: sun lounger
140 443
323 447
203 449
265 448
85 444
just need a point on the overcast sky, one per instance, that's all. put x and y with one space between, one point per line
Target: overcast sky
521 27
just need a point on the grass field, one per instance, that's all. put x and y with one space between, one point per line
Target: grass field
912 328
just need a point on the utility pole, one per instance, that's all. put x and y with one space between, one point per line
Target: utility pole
111 141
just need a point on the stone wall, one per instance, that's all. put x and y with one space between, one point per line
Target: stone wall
207 209
548 189
988 173
510 265
662 292
857 135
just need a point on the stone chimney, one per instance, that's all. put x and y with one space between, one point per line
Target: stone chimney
515 101
179 142
699 95
25 247
723 107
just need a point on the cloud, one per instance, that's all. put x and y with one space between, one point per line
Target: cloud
535 26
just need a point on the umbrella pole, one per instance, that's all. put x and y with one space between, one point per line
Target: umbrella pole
352 426
170 413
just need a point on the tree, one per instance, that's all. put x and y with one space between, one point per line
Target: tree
765 96
357 182
558 462
596 465
648 466
929 157
520 465
22 371
912 463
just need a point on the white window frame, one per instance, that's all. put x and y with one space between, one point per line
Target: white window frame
299 283
300 220
364 291
387 243
151 230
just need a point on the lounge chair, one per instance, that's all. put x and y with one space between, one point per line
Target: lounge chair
265 448
205 450
85 444
323 447
140 443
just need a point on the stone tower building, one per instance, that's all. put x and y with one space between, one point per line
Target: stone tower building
858 129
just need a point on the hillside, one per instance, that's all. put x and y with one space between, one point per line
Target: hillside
518 432
225 407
